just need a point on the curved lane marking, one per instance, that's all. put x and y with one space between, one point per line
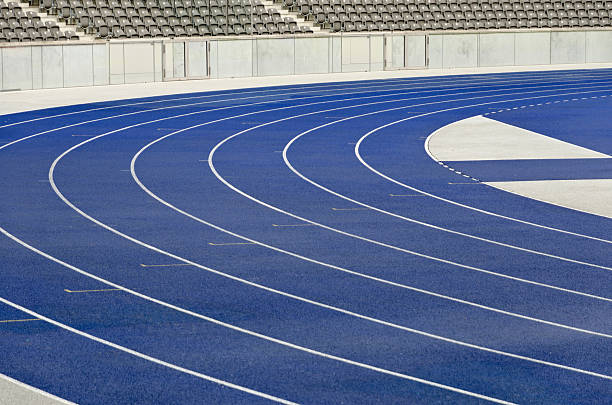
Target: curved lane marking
446 200
229 326
6 233
142 355
342 86
412 220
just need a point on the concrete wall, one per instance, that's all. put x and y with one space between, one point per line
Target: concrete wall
116 62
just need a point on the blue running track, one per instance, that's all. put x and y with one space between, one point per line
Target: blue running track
298 245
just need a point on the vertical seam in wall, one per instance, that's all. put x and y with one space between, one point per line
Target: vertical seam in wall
154 65
341 55
293 56
186 59
108 61
478 50
63 72
550 45
369 53
42 71
442 54
31 67
93 66
514 49
585 47
123 52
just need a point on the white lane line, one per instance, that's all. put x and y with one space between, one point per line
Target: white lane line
229 185
258 103
35 390
446 200
348 209
143 356
413 220
165 265
198 125
402 82
57 191
241 330
365 276
63 198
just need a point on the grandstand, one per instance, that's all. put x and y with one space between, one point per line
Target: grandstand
53 20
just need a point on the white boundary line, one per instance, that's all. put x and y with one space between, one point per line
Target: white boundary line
35 390
412 220
142 355
220 323
17 240
324 87
446 200
229 185
66 201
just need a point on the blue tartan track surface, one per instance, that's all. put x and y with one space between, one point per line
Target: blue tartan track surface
297 244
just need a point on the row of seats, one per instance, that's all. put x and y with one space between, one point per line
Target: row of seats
162 18
17 25
177 18
411 15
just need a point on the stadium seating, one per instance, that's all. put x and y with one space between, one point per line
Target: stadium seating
421 15
17 25
108 19
177 18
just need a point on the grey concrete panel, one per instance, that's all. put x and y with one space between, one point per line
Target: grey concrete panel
235 58
214 59
138 62
197 59
355 50
460 51
117 72
415 51
496 49
567 47
598 46
17 64
168 60
178 59
159 63
37 67
531 48
275 57
336 55
78 65
398 49
377 49
1 68
436 56
311 55
255 58
100 59
53 72
355 54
